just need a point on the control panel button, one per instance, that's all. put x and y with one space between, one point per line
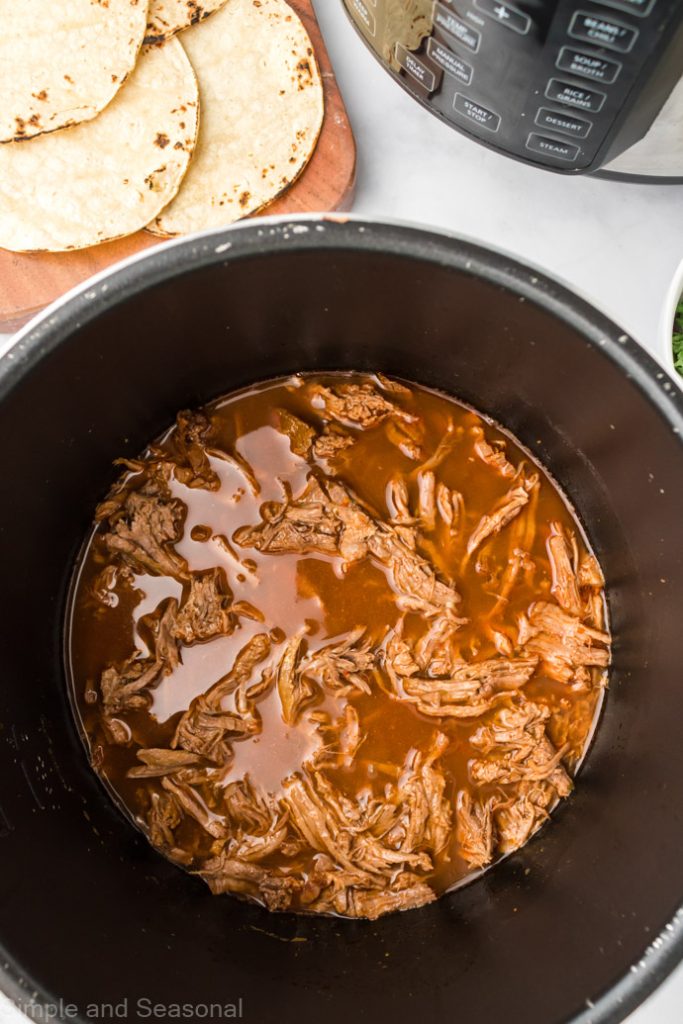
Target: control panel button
562 123
552 147
475 113
417 69
364 14
449 61
456 28
603 32
588 65
575 95
638 7
505 15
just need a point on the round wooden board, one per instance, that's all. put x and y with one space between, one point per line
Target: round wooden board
30 281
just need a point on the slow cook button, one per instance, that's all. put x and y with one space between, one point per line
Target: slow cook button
413 66
563 124
474 112
505 15
453 26
552 147
575 95
602 32
588 65
449 61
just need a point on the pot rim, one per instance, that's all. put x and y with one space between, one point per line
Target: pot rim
252 238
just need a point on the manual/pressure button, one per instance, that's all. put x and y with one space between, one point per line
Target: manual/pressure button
505 15
449 61
575 95
593 29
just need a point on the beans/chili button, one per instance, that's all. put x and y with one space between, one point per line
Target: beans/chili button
593 29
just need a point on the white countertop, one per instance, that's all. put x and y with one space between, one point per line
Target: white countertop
617 244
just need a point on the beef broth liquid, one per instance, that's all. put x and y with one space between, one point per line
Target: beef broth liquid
337 644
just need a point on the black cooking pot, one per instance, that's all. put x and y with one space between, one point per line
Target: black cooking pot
582 923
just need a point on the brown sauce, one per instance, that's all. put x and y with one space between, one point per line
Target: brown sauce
423 639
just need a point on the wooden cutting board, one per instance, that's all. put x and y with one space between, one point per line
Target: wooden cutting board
30 281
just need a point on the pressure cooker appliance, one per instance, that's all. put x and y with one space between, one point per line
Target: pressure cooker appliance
581 923
570 85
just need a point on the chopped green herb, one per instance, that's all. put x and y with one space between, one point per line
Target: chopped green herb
678 338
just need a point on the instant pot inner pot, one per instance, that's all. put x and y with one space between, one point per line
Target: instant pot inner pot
88 911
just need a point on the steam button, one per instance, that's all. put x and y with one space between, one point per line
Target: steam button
505 15
552 147
591 28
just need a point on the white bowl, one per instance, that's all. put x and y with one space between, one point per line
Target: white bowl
673 297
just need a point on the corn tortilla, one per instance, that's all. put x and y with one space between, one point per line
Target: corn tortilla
63 61
107 177
262 110
166 17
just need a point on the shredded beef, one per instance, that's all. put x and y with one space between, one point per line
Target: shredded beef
344 665
191 466
472 688
341 740
346 760
331 443
295 689
494 455
144 527
517 749
301 435
503 513
206 611
205 728
356 405
564 643
475 831
564 587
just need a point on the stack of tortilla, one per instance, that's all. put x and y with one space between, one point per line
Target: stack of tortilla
174 115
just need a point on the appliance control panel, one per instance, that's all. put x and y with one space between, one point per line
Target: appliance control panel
564 84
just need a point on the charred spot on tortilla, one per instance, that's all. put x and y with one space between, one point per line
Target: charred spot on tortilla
166 17
63 63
